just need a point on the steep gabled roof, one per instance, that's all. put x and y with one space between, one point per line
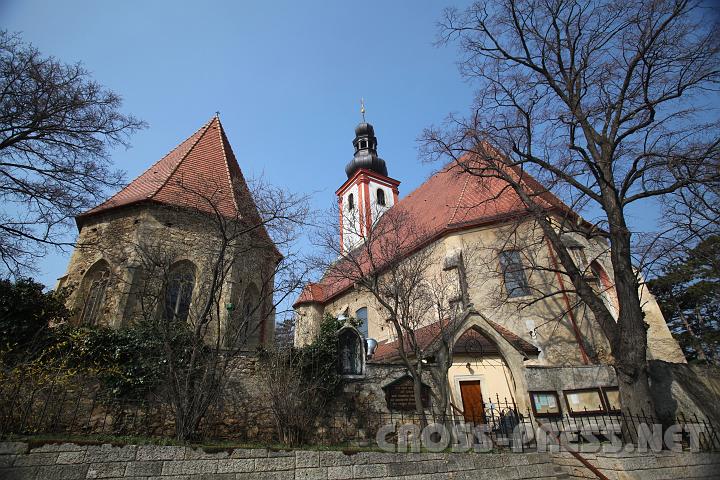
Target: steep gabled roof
471 342
201 173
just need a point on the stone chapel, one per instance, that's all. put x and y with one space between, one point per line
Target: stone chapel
152 248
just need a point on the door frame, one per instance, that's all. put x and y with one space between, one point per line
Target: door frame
468 378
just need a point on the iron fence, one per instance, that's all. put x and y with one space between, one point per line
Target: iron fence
27 409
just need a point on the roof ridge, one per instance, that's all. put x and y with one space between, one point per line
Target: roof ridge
227 165
460 197
177 165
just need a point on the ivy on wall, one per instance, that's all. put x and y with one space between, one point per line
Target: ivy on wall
38 346
319 358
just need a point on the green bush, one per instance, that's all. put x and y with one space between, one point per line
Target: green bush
38 344
129 362
26 313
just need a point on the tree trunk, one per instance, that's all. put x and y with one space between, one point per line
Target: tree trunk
630 345
419 407
698 341
440 376
183 432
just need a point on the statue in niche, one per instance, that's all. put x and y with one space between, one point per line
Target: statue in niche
350 361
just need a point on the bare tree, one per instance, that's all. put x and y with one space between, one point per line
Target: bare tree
295 400
411 287
300 384
57 126
690 215
599 101
203 338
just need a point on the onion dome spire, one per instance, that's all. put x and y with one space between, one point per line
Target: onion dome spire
365 144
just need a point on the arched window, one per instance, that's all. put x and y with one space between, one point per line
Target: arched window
179 290
606 289
381 196
362 315
351 202
513 273
95 286
351 352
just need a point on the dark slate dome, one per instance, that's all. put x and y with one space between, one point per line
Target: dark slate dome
364 129
366 156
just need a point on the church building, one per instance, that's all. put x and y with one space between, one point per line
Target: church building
183 235
544 356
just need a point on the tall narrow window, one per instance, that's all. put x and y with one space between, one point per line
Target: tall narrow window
381 196
576 251
178 292
362 315
351 202
513 272
96 281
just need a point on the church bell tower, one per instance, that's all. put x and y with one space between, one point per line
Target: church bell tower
368 191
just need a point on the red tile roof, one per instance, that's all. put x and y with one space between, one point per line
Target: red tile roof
448 201
313 292
425 336
201 173
471 341
517 342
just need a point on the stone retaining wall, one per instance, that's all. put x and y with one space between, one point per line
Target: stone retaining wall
21 461
629 466
69 461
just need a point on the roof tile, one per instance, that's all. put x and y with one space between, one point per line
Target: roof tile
448 200
471 341
201 173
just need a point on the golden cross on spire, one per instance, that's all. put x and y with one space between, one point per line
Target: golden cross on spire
362 109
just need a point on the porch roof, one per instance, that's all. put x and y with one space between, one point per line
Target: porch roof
472 342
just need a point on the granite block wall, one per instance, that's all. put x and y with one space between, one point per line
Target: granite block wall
20 461
665 465
65 461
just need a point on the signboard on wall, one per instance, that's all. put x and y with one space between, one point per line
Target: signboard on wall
400 395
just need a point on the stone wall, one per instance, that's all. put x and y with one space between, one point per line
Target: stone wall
132 239
242 414
21 461
564 378
630 466
355 413
18 461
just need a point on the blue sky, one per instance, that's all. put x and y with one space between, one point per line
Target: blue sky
286 76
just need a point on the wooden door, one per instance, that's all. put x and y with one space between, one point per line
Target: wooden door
473 408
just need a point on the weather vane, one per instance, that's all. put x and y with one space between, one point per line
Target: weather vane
362 109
